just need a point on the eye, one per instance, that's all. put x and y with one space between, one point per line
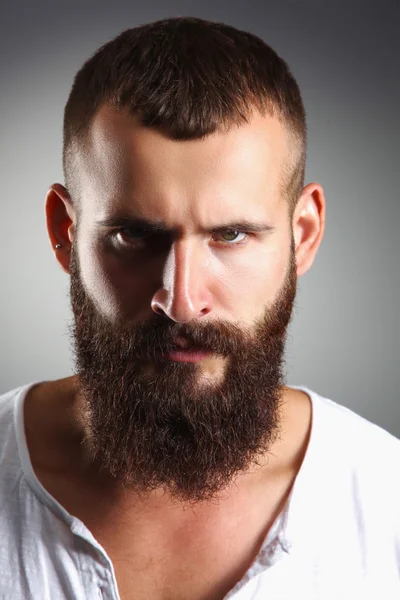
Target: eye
136 234
130 238
232 235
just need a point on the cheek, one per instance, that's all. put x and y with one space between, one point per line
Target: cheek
251 281
119 286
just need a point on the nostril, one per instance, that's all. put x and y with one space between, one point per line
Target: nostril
158 310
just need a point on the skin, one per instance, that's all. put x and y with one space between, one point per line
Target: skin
192 186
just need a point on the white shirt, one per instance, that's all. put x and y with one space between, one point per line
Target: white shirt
338 537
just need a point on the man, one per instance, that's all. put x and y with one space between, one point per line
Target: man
176 464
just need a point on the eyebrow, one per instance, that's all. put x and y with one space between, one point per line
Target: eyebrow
155 226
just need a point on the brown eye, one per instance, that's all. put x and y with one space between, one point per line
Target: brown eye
128 238
139 239
138 234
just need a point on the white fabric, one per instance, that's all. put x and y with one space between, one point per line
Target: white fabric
338 537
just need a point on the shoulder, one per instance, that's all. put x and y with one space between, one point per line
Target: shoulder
356 437
7 405
343 432
12 421
358 457
10 430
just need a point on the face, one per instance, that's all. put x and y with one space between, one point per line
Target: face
181 243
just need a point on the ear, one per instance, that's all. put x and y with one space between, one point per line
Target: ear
60 222
308 225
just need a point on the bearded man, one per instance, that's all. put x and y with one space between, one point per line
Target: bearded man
175 463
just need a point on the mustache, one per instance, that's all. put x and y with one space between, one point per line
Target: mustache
159 337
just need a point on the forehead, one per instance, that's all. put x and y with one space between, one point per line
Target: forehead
126 159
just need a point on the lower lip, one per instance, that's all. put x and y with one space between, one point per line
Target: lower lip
187 356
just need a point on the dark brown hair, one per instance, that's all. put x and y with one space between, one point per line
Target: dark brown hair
189 77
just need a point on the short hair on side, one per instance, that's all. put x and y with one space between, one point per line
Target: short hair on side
189 77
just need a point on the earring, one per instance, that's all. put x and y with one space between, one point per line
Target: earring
58 245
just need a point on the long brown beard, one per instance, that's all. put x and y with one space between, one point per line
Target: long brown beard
165 429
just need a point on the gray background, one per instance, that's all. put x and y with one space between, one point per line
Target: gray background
344 340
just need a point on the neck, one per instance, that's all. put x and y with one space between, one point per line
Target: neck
63 430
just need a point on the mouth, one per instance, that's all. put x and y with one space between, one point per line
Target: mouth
185 351
191 355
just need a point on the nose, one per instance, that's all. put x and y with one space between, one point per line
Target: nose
183 295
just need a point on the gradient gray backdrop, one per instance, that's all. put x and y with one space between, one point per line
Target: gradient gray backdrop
344 341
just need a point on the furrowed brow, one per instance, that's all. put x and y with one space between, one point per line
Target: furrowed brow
155 226
128 221
240 226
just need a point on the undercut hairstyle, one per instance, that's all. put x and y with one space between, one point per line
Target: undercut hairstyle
190 78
